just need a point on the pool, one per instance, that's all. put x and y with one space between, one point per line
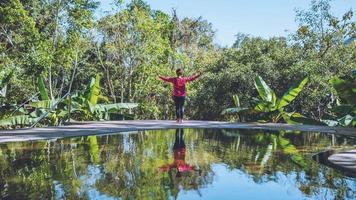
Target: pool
176 164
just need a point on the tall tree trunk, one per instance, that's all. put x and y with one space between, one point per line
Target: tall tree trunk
50 82
62 82
108 77
123 86
110 85
54 43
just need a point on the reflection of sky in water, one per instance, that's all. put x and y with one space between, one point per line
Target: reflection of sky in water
235 184
58 187
88 184
227 184
94 174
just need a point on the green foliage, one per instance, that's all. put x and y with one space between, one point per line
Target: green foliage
237 109
345 88
289 149
4 81
84 104
81 108
18 120
269 108
343 113
320 53
3 85
62 40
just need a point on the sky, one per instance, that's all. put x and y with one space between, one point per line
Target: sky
264 18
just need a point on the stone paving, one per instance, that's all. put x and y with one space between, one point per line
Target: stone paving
106 127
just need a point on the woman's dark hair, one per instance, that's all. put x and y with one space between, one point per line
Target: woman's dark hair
179 72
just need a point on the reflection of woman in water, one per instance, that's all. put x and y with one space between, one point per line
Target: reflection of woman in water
179 156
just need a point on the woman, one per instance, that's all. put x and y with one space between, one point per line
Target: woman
179 91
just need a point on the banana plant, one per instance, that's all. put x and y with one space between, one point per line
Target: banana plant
274 107
88 102
268 106
84 106
237 109
344 111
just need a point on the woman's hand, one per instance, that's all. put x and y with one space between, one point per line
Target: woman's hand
199 72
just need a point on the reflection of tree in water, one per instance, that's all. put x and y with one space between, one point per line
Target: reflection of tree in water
271 156
136 174
129 164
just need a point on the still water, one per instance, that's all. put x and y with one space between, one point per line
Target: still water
176 164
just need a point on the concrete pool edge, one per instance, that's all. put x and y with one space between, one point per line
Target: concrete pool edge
107 127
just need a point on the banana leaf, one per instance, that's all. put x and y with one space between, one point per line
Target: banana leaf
265 106
38 112
103 98
292 93
346 120
235 110
301 119
42 88
114 107
92 108
330 122
94 90
236 100
287 117
47 104
18 120
265 92
345 89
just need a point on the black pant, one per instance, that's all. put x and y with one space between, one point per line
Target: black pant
179 102
179 141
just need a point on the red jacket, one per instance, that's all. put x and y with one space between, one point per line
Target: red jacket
179 84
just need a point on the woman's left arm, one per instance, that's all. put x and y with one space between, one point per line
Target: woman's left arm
195 76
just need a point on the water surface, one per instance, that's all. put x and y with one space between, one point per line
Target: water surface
176 164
